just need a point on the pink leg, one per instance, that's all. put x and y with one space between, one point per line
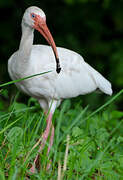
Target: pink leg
51 143
51 140
44 138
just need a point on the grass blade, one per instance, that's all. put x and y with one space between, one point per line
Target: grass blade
3 130
2 177
104 105
21 79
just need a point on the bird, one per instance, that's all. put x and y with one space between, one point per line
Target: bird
69 75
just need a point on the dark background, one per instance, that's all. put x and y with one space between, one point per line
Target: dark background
93 28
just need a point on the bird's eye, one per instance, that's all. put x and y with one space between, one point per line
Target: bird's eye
33 15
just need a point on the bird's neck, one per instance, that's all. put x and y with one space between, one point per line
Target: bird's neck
26 42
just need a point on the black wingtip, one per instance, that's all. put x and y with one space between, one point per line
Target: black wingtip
58 68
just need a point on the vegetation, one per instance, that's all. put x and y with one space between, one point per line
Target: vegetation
87 145
88 130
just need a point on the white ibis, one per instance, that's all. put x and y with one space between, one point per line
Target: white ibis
69 78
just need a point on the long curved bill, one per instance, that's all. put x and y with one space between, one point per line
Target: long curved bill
43 29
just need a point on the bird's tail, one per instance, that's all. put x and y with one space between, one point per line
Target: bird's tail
103 84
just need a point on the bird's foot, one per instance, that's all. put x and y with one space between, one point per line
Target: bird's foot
32 169
36 165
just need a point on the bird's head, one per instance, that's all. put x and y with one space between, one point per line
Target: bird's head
35 18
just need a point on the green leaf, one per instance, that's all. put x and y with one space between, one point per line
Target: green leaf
120 139
76 131
121 161
15 134
117 114
19 106
14 138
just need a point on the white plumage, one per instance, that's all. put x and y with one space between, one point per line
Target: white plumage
76 76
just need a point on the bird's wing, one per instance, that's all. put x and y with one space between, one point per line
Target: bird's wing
102 83
76 77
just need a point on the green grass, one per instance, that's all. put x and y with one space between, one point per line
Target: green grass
87 145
